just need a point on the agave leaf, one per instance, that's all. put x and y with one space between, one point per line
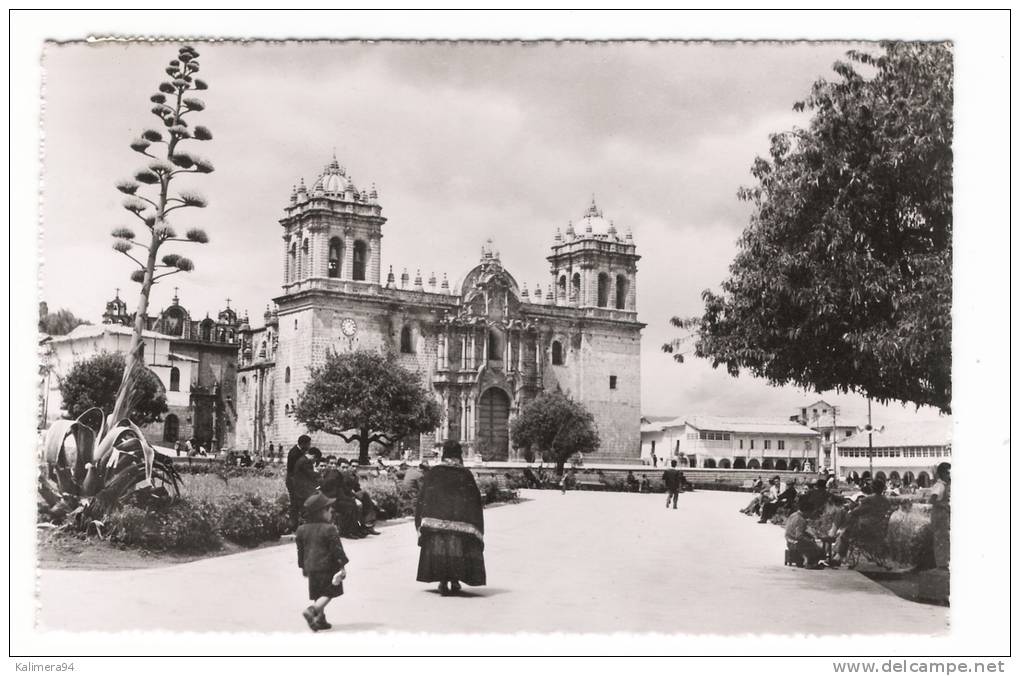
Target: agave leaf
53 447
47 493
148 452
85 443
107 446
66 482
118 487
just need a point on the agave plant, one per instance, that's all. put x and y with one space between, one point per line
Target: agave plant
104 464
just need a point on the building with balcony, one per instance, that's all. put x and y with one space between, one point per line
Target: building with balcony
907 452
731 443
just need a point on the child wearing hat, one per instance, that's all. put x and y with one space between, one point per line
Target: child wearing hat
321 558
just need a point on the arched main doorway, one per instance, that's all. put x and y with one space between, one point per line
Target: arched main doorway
493 423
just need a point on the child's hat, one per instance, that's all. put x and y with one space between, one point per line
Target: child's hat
317 502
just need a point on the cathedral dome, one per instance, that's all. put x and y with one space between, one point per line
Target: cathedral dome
593 223
333 179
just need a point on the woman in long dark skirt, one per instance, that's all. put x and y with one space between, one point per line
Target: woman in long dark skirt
450 526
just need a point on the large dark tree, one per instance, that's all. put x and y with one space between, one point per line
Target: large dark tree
843 279
366 397
556 425
94 382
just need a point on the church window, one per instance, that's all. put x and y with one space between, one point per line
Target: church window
305 268
603 300
360 256
575 287
495 353
286 375
406 341
207 330
621 292
175 379
561 285
557 353
612 382
335 257
292 263
244 386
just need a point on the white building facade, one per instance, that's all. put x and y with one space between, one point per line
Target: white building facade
907 452
731 443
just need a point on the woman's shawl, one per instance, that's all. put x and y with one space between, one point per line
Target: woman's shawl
449 501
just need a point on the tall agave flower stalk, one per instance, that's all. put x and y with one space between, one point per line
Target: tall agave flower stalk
94 462
150 197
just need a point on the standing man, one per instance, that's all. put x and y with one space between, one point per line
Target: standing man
671 477
304 442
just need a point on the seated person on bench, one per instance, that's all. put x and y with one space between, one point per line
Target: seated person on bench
865 522
800 540
786 499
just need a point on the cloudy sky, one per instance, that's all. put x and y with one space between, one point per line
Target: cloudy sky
463 142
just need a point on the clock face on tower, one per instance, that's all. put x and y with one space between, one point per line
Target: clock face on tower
348 327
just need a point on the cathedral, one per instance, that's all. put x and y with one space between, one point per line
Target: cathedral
485 346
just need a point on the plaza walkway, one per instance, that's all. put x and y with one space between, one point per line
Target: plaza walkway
581 562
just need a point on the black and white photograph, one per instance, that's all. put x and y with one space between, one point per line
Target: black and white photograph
343 335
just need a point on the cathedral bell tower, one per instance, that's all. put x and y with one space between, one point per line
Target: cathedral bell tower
593 266
331 231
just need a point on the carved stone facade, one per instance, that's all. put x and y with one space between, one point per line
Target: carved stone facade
486 346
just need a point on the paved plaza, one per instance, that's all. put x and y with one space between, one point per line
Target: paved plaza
580 562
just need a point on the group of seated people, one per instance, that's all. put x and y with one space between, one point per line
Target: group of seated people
354 511
820 532
820 523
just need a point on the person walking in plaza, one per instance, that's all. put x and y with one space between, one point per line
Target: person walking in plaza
304 442
450 525
321 558
671 477
940 515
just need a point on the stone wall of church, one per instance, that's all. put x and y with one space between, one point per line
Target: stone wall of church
606 354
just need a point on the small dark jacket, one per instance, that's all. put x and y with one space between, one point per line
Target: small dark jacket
305 479
319 549
672 479
292 457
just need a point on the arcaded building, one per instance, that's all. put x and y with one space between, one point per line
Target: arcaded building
484 345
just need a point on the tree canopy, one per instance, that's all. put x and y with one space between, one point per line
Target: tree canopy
556 425
843 279
94 382
366 397
58 323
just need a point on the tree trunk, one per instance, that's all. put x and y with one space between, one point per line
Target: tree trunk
363 442
559 466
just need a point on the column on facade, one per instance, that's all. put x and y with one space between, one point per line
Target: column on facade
519 362
470 417
463 351
632 291
556 288
463 417
375 243
472 362
441 349
538 353
506 351
347 269
318 254
485 346
287 272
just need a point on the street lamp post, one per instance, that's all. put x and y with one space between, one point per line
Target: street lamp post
871 453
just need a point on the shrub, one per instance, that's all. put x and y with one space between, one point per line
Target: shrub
250 519
493 491
391 498
185 526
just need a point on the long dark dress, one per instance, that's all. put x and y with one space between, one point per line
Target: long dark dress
449 519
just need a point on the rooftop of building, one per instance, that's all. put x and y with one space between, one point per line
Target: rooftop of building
735 424
915 433
98 330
